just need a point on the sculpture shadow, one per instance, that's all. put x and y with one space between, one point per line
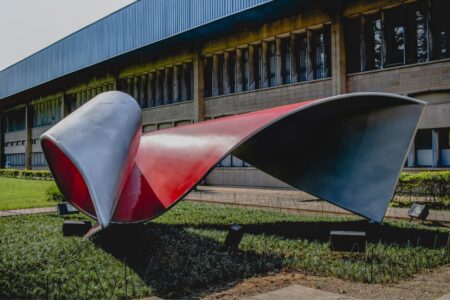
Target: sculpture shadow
176 263
386 233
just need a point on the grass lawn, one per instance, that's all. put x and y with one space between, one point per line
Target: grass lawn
180 254
23 193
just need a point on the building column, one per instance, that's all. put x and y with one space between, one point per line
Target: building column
412 156
251 68
279 62
64 106
2 140
199 89
338 58
215 75
435 147
238 80
29 136
265 65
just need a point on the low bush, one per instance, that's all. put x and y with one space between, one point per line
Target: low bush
26 174
54 194
433 186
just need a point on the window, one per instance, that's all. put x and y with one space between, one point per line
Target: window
15 160
286 60
271 47
245 70
188 92
395 31
353 41
38 159
168 90
440 18
409 33
208 76
232 71
46 112
220 70
258 66
321 51
15 120
372 47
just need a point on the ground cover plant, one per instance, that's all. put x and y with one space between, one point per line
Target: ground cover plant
181 253
22 193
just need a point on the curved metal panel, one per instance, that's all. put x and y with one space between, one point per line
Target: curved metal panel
91 152
347 150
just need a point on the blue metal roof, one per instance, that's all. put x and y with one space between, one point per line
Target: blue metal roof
140 24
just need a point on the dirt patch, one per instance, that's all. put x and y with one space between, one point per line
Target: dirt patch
425 285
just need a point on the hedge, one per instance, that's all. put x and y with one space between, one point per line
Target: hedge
432 186
26 174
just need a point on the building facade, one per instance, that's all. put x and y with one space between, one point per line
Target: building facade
234 57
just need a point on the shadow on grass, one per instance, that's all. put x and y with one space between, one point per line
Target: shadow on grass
320 231
176 263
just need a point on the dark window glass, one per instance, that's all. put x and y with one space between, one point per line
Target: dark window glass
302 57
395 31
15 120
180 83
423 139
161 78
258 68
418 35
373 42
169 88
440 23
272 63
353 44
220 73
208 76
320 40
245 69
286 60
232 71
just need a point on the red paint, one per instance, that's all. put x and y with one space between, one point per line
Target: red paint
170 162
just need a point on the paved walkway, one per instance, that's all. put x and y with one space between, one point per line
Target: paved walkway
299 292
286 199
27 211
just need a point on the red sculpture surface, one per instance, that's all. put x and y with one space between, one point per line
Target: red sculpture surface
112 173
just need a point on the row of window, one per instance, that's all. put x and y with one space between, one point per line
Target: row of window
18 160
165 86
233 161
15 160
15 120
406 34
46 112
75 100
295 58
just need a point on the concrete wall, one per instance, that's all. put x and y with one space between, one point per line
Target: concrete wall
243 177
265 98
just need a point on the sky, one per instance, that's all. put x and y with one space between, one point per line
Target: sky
27 26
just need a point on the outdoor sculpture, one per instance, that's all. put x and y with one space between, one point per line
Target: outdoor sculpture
347 150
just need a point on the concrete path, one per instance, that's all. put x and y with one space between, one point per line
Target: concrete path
27 211
299 292
291 200
445 297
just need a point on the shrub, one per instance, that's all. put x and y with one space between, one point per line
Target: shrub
54 194
432 186
26 174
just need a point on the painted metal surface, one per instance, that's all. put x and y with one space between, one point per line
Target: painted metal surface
140 24
347 150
